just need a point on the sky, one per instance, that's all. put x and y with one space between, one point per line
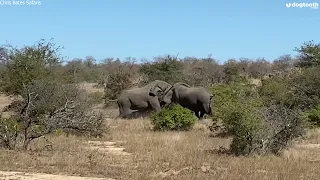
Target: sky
149 28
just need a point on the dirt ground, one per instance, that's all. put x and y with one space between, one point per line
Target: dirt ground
131 150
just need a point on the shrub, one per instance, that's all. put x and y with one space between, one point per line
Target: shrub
314 116
118 80
306 93
97 97
45 107
256 127
276 90
175 117
227 96
283 125
244 123
27 64
167 68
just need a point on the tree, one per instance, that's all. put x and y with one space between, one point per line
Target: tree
45 107
167 68
309 54
27 64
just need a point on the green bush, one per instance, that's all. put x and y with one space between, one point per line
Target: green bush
227 96
276 90
27 64
245 124
175 117
306 88
256 126
167 68
314 116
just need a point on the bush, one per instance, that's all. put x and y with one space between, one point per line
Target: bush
283 125
257 127
45 107
306 88
244 123
97 97
27 64
314 116
227 96
120 79
175 117
167 69
276 90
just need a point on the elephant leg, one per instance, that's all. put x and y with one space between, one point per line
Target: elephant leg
124 114
201 114
124 109
155 104
197 114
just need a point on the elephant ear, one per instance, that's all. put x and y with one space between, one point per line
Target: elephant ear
154 91
182 84
186 85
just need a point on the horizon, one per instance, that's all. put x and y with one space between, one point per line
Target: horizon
140 29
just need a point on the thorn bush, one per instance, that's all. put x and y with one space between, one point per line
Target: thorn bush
314 116
174 117
256 127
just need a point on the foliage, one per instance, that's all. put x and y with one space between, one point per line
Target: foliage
97 97
27 64
257 127
117 81
309 54
175 117
276 90
167 69
306 88
226 97
45 107
260 119
314 116
283 125
202 72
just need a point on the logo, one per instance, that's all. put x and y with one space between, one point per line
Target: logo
313 5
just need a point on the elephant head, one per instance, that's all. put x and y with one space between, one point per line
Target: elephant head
158 88
170 94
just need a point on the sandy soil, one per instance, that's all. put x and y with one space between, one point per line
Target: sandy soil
13 175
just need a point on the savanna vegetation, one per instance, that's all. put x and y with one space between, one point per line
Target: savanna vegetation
261 110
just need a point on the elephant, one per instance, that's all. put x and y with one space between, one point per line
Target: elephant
196 99
146 98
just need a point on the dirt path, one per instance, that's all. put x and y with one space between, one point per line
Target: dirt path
114 148
12 175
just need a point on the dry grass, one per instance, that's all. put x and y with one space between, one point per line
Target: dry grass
158 155
176 155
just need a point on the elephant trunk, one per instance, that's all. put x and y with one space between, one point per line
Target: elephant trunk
166 92
210 108
210 111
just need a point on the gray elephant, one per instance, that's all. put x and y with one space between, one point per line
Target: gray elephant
197 99
142 99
